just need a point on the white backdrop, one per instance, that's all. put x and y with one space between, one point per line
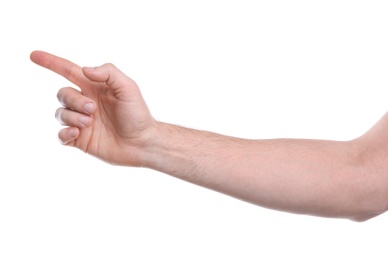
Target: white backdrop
253 69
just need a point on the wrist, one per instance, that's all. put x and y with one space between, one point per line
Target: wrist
164 144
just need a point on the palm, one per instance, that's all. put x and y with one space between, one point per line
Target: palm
115 126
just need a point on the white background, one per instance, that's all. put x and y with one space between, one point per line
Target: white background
253 69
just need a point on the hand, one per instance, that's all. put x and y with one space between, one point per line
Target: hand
108 118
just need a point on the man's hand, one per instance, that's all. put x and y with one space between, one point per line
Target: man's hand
108 118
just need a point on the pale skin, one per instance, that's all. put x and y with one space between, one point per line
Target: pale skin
109 119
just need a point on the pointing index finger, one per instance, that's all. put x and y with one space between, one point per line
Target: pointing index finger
63 67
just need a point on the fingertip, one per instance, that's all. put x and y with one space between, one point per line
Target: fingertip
38 57
89 68
109 74
33 55
73 132
88 72
68 135
90 108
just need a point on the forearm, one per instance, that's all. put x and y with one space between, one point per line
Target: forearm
317 177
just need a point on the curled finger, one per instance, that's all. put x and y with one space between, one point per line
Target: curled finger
72 118
68 135
74 100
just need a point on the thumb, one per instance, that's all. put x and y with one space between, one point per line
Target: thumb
108 74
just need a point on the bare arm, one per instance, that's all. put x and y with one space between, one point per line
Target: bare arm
316 177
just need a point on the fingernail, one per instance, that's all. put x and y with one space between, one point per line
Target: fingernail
90 68
85 121
89 108
72 133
